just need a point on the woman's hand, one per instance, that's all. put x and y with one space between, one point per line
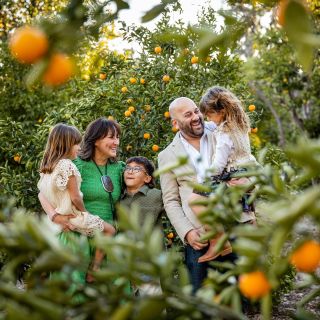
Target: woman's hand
63 220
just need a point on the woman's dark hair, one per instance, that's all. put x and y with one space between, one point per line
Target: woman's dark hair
97 129
148 166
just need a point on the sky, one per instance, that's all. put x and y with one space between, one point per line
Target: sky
139 7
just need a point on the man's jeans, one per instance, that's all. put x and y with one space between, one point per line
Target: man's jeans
199 271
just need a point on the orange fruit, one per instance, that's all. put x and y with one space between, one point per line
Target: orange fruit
147 107
254 285
170 235
133 80
129 101
175 129
131 109
124 89
102 76
281 12
17 158
146 136
158 50
306 258
142 81
166 78
167 114
59 70
155 148
128 147
28 44
252 107
127 113
254 130
194 60
111 118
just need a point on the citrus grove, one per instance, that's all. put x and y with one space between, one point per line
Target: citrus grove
135 90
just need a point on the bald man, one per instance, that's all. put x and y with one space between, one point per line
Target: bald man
195 141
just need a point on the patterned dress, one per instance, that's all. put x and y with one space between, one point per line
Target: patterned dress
97 202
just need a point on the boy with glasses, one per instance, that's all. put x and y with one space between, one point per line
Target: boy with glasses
140 191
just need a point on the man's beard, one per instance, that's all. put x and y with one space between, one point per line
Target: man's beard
188 130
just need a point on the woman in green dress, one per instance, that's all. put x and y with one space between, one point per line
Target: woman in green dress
101 182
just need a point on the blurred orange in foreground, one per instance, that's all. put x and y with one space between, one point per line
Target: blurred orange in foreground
28 44
281 12
254 285
59 71
306 258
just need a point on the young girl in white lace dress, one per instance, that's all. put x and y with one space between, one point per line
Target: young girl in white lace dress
232 149
60 182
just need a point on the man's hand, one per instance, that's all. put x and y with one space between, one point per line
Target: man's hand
193 239
63 220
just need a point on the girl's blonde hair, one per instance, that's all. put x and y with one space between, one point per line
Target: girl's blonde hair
219 98
60 141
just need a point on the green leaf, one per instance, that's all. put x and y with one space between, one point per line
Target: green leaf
298 25
156 10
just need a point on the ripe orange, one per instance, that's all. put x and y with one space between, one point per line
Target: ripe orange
28 44
142 81
254 285
146 136
147 107
166 78
170 235
252 107
281 12
59 70
167 114
155 148
102 76
127 113
124 89
131 109
133 80
307 257
17 158
158 50
111 118
194 60
128 147
254 130
175 129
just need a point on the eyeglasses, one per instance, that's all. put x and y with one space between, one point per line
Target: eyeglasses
107 183
135 169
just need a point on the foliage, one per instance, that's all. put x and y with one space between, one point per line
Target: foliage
133 255
287 93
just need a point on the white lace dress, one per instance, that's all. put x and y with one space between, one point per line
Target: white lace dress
54 187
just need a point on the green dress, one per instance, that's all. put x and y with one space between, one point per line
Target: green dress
96 201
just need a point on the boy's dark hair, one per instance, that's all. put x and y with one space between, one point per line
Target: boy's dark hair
148 166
